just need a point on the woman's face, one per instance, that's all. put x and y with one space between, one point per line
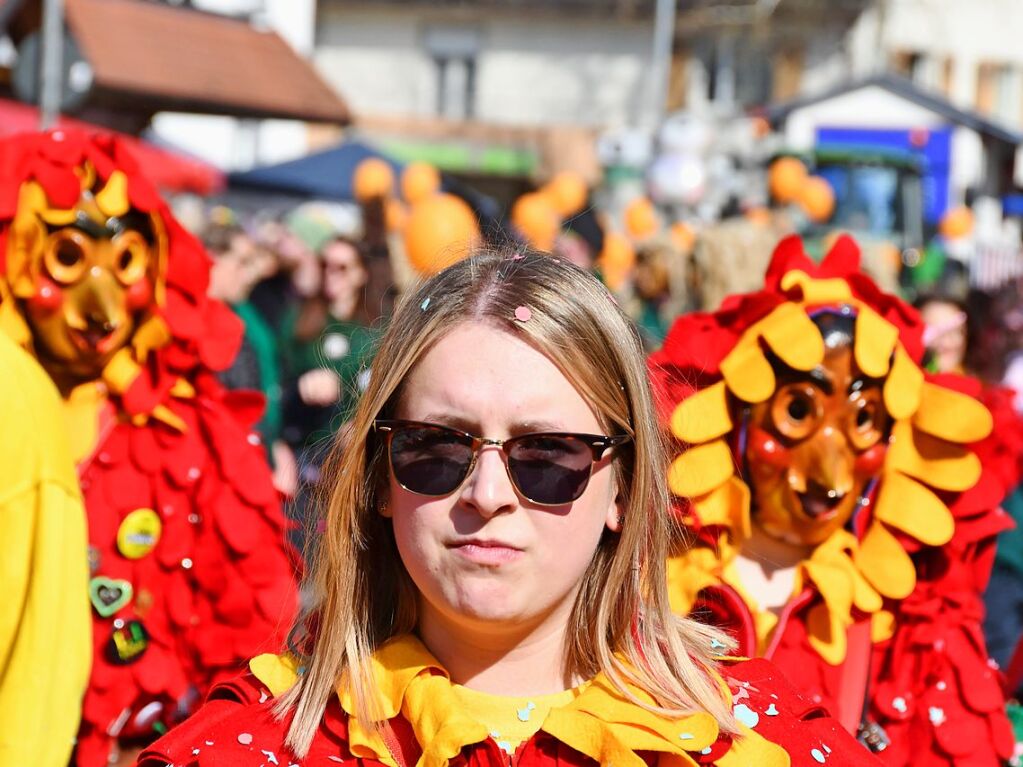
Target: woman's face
343 277
483 558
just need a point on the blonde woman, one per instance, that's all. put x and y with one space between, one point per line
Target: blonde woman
490 578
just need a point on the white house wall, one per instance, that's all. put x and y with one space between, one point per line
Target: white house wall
871 107
530 70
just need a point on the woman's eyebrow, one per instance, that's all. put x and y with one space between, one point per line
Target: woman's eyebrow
527 427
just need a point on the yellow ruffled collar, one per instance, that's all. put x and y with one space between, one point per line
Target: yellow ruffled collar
600 722
830 570
928 452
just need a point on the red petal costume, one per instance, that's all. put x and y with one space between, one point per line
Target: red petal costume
191 574
238 728
883 625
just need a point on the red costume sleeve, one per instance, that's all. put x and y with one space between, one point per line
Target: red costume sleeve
810 735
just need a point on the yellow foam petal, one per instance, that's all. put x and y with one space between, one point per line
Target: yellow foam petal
113 198
701 469
816 292
121 371
950 415
13 324
864 596
686 578
834 583
940 464
182 389
169 417
703 416
884 563
750 749
793 337
875 342
747 372
826 633
903 386
727 505
278 672
882 626
152 334
908 506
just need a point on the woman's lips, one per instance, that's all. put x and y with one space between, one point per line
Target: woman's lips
490 553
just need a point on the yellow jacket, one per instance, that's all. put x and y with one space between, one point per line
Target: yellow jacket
45 622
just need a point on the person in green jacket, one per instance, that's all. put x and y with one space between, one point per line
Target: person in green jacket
327 341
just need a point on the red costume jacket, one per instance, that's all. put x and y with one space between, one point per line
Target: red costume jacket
191 572
237 728
924 676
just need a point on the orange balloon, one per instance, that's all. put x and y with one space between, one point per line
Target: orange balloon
373 178
395 215
419 180
956 223
440 230
641 219
817 199
785 179
537 220
616 260
567 193
683 236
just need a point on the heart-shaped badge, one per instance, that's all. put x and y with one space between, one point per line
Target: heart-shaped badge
108 595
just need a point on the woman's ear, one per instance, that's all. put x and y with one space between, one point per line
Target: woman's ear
615 514
384 504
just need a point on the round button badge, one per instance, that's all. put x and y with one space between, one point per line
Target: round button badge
139 533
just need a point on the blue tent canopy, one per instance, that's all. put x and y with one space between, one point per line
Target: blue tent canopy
325 175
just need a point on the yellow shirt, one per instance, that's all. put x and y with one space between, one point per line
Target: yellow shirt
511 721
45 623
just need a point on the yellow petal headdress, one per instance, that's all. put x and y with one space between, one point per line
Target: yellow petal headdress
928 449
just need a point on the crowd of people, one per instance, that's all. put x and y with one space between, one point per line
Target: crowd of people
389 483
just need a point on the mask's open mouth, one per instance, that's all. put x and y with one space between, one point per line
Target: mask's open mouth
93 339
820 503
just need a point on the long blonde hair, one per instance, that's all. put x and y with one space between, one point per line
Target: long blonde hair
621 622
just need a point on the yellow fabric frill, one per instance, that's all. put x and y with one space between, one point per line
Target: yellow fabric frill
932 427
600 722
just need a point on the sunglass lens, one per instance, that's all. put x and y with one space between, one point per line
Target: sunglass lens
429 461
550 470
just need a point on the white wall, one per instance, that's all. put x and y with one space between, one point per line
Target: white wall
968 32
532 70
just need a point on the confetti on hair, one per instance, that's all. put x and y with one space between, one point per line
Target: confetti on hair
523 314
518 257
425 305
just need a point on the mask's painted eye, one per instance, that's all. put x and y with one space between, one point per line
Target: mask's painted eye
65 257
132 258
868 419
796 410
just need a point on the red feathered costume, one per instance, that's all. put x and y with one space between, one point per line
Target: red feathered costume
191 574
883 621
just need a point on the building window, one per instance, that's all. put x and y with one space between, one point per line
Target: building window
906 63
999 92
456 87
454 51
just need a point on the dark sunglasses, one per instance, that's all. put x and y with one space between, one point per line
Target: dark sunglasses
547 468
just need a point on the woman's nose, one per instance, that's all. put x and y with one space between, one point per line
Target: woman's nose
489 489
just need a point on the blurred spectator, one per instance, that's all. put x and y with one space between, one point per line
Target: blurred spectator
945 334
328 339
239 264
